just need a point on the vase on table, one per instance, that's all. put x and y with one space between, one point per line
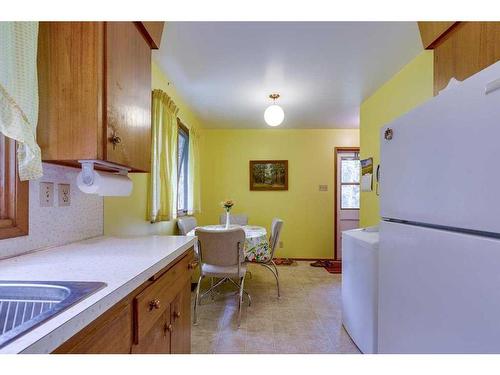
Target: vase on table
227 204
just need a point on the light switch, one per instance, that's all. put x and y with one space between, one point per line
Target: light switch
323 187
64 195
46 194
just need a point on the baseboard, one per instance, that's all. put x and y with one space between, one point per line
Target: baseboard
309 259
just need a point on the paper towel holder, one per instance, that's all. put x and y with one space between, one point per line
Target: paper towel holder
88 169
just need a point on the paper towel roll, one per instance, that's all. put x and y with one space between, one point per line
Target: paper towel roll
106 184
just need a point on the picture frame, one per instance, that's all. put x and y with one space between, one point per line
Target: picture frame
268 175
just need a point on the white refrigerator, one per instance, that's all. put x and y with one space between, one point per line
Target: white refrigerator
439 254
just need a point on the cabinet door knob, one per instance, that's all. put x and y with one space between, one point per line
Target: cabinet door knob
167 328
115 140
177 314
192 265
154 304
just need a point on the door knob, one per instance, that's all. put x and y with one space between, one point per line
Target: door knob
177 314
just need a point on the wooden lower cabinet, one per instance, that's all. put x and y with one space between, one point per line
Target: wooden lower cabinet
180 336
154 319
157 340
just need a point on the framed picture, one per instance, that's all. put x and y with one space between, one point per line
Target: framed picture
268 175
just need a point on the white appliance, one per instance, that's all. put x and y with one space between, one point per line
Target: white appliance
439 256
360 286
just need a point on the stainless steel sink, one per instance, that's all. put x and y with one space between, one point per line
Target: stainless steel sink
27 304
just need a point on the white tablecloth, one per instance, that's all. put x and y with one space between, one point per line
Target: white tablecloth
256 243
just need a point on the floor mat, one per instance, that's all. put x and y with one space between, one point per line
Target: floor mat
334 267
284 262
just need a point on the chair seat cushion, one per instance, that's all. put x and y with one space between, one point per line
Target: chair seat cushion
211 270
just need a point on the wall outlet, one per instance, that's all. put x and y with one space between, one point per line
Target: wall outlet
281 244
64 195
46 194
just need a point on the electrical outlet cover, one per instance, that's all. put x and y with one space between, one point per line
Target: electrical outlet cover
46 194
64 195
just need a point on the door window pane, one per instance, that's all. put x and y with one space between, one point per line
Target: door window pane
350 170
349 197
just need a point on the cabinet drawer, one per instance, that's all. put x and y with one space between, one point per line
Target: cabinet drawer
151 303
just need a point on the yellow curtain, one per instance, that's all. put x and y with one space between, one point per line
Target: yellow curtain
194 200
163 177
19 93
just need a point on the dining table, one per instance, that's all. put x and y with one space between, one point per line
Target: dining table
256 247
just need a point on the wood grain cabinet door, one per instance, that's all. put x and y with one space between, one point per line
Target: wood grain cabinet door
181 321
128 96
157 340
110 334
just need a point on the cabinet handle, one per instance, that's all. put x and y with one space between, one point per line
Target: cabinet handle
177 314
115 140
192 265
154 304
167 328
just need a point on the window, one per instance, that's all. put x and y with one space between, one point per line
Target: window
13 193
349 183
182 169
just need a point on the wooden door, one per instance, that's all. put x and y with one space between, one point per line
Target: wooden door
347 194
181 321
128 99
157 340
110 334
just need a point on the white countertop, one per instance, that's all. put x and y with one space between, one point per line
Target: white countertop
122 263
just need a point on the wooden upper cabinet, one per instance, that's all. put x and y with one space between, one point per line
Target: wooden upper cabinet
467 49
128 88
152 32
95 93
431 32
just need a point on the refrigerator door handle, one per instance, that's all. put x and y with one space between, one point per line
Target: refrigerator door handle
492 86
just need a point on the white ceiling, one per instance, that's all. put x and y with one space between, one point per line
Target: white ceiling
323 70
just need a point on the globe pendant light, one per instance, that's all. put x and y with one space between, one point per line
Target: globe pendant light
274 114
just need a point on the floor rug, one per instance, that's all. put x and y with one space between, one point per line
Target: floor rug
284 262
334 266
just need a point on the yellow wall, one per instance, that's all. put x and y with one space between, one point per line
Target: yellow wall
127 215
307 212
410 87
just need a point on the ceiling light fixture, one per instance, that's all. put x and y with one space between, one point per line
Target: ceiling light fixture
274 114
